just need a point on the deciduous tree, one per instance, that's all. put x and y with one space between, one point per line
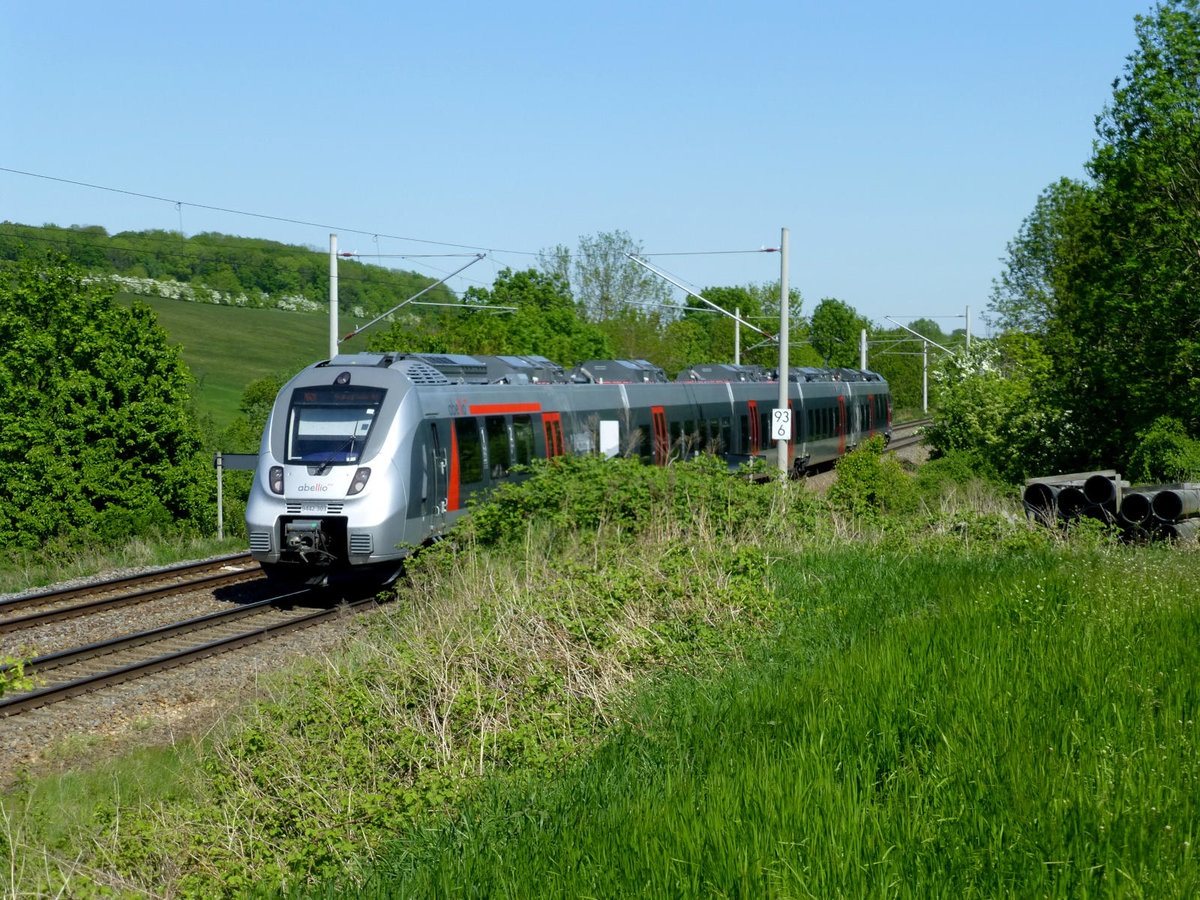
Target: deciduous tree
96 434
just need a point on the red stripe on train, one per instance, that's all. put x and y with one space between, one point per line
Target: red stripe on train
500 409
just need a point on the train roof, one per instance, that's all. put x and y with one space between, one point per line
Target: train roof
616 371
723 372
457 368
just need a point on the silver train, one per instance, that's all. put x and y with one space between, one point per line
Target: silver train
368 455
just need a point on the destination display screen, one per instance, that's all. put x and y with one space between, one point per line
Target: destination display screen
330 425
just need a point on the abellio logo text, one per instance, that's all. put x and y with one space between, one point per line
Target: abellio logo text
314 488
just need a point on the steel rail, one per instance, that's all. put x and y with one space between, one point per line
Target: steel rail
51 596
87 684
105 603
62 658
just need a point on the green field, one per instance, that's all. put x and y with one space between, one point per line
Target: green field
227 347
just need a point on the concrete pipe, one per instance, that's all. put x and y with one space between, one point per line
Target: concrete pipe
1071 502
1041 501
1185 529
1170 505
1103 491
1136 507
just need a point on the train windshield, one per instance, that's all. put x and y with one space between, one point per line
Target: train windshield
330 425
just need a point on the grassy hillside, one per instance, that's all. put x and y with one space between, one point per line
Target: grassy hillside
227 347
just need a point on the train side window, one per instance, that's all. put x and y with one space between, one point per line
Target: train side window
639 444
523 433
744 424
765 427
499 455
470 450
677 448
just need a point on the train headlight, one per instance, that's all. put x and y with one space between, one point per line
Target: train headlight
275 479
359 482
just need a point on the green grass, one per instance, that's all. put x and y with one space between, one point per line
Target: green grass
706 699
227 347
952 725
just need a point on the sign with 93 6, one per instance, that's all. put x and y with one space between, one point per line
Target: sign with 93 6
781 424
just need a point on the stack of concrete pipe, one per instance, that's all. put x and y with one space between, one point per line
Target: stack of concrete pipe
1152 511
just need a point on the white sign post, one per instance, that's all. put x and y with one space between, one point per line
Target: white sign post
781 424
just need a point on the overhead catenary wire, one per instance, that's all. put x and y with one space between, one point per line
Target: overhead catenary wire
420 293
195 248
257 215
375 235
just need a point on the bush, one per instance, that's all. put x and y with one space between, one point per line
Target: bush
1164 453
990 404
582 493
957 469
96 436
868 483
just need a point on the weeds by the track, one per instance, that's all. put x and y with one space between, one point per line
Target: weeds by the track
732 689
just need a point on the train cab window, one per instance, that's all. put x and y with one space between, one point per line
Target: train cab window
329 425
499 457
470 450
523 435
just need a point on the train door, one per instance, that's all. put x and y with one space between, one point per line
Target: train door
552 426
841 425
662 441
438 472
755 435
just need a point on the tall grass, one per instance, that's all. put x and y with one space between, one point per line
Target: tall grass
931 725
712 689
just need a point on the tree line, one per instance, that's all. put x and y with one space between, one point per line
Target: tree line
218 266
1099 297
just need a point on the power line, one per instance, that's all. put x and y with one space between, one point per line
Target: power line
178 204
712 252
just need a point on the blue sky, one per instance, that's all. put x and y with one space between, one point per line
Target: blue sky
900 143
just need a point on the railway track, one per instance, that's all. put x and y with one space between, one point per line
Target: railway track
74 602
124 653
907 434
94 667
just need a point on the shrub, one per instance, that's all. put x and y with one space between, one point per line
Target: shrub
868 483
1164 453
991 404
583 493
95 423
956 470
